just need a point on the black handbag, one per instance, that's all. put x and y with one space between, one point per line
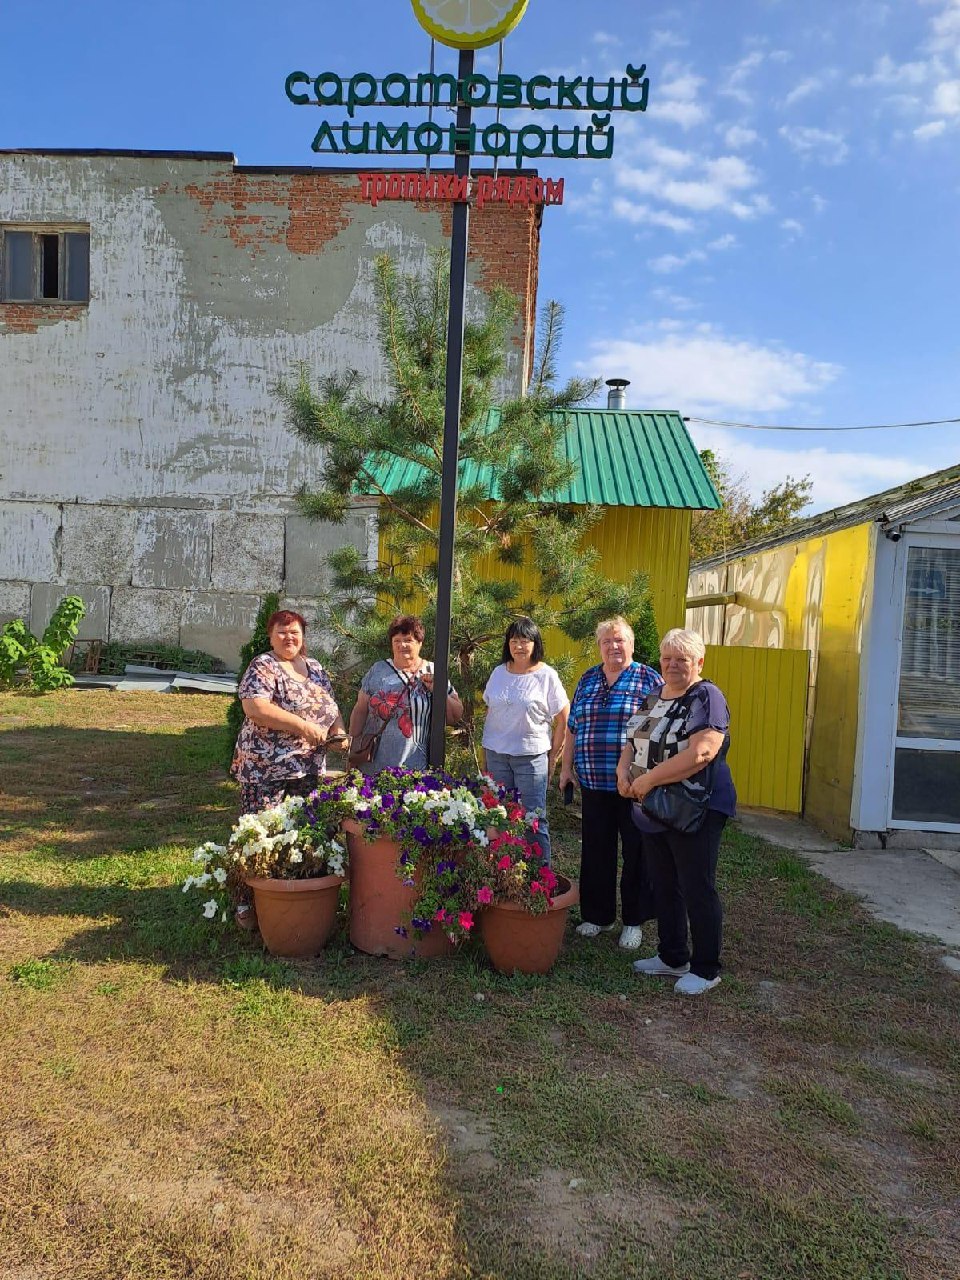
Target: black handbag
683 806
677 806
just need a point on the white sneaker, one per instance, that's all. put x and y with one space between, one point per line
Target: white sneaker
631 936
653 967
588 930
691 984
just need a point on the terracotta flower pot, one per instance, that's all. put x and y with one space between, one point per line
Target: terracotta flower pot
380 902
519 942
296 917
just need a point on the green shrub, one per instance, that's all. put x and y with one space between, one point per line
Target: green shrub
258 643
36 663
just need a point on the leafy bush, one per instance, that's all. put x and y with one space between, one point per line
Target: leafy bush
36 663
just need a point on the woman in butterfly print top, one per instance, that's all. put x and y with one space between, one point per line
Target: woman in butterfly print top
680 730
396 697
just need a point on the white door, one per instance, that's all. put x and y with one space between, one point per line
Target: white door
926 754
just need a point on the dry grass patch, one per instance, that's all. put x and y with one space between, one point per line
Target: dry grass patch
180 1104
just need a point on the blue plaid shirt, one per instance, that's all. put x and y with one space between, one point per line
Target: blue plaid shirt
598 720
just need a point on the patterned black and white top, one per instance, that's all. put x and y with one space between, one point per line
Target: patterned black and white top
663 727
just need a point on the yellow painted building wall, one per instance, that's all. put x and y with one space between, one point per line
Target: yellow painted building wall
766 691
811 596
653 540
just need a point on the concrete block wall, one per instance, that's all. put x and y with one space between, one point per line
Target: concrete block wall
192 578
146 464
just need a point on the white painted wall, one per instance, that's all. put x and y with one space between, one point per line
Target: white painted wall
145 460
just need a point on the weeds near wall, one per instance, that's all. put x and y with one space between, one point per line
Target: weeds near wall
25 660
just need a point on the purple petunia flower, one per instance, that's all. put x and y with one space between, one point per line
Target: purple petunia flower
400 930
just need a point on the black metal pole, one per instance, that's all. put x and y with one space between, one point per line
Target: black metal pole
451 429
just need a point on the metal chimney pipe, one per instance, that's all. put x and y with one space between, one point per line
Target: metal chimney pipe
617 395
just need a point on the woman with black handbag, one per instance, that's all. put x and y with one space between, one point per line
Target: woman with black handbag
674 768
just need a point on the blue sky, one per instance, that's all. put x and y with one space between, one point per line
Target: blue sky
775 241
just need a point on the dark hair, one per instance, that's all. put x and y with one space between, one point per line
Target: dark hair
283 617
526 629
406 624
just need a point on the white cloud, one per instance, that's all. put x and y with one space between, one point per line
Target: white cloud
792 227
946 98
643 215
675 301
698 370
816 144
803 90
739 136
891 75
945 28
838 477
723 242
931 130
605 38
668 262
676 101
715 187
667 40
738 75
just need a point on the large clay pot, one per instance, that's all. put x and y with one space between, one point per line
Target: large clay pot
519 942
296 917
380 902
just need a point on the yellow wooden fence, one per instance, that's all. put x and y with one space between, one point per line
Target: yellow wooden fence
766 690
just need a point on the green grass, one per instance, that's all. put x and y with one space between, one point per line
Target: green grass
179 1103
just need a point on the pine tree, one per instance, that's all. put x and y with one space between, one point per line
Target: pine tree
512 462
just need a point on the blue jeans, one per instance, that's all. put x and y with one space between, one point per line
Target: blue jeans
528 775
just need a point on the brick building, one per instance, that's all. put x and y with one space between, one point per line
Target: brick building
148 303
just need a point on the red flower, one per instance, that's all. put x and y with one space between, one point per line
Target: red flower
466 920
489 800
441 916
505 863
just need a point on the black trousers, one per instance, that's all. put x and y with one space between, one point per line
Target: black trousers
607 825
683 870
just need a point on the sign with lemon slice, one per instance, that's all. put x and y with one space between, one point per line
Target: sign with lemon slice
469 24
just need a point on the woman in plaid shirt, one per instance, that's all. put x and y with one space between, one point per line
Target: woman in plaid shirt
606 697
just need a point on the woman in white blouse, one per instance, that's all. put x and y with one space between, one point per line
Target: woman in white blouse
527 709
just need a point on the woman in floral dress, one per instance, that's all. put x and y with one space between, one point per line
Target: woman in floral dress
290 719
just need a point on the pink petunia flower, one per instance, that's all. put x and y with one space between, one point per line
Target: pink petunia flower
485 894
441 916
505 863
465 920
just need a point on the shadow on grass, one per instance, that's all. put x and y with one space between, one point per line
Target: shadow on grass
71 793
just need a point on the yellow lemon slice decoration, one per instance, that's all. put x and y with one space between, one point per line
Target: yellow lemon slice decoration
469 24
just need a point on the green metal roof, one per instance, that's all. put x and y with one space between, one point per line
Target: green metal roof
624 458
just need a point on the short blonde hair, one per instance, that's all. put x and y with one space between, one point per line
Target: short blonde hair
689 643
608 624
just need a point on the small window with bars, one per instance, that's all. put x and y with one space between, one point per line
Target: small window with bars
44 264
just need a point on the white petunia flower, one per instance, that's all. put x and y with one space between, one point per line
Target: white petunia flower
210 909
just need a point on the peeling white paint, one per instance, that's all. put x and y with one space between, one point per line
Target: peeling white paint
144 451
